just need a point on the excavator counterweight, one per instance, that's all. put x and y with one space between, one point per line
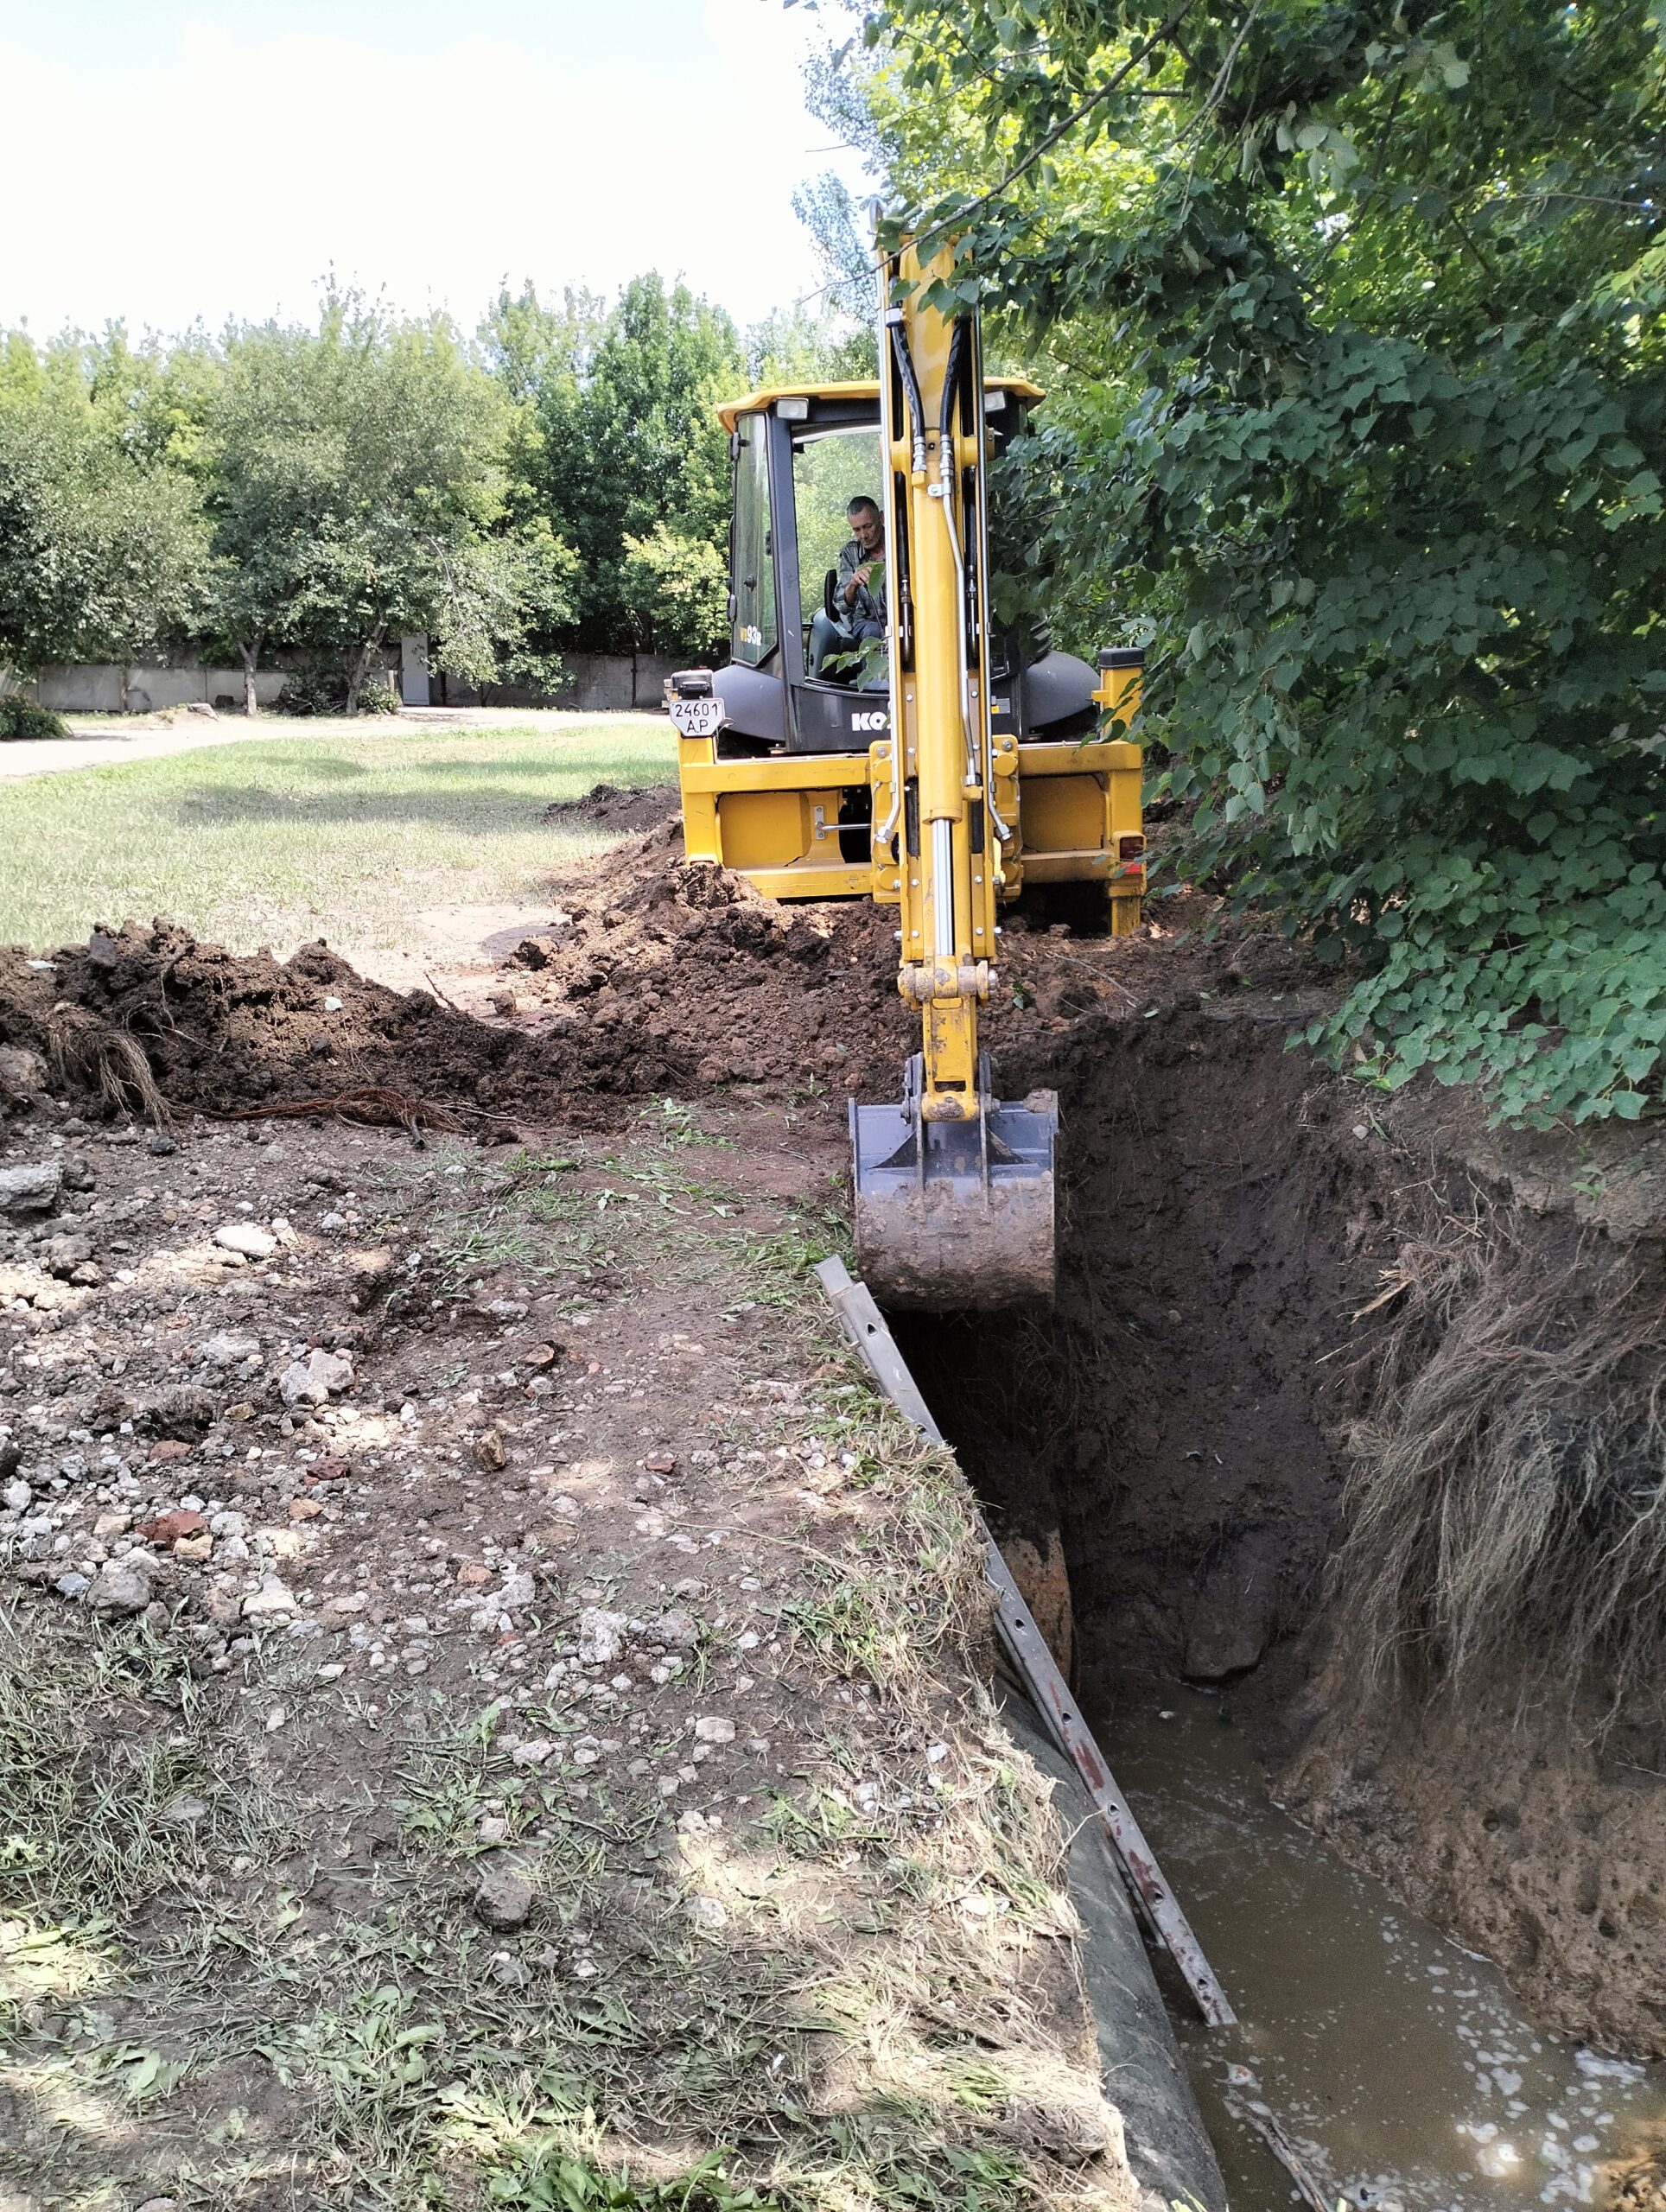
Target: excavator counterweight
931 762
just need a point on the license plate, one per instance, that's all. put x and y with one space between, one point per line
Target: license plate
698 717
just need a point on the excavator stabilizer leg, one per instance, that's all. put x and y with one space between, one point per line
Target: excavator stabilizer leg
955 1215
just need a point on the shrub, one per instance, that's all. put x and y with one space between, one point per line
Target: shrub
313 691
23 718
378 697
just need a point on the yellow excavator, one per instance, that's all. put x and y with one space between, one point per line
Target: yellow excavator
926 757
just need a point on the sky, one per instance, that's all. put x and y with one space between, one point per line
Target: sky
175 161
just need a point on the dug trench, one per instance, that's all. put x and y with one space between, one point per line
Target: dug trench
1347 1408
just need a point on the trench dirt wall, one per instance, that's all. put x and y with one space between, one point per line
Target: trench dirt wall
1167 1459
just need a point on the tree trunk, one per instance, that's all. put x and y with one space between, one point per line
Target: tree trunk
358 669
250 662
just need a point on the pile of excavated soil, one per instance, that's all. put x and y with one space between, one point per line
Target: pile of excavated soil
656 978
608 806
652 975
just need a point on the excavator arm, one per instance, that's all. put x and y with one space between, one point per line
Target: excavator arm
954 1190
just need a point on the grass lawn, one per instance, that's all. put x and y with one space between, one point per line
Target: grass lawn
343 837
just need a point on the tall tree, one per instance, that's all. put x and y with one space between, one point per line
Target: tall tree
628 444
103 557
356 479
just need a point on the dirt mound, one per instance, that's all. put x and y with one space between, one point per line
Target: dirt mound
609 806
654 978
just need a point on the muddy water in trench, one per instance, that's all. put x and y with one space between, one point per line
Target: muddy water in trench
1401 2066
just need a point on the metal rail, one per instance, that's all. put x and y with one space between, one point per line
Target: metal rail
1027 1648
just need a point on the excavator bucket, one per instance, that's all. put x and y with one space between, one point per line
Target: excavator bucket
955 1215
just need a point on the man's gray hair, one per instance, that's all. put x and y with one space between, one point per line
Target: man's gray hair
862 503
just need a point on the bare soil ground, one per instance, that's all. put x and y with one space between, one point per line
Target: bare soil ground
635 1117
490 1698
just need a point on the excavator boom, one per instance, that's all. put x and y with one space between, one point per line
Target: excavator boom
954 1190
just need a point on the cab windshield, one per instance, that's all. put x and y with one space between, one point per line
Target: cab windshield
830 469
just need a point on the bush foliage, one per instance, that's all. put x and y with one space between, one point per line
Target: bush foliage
23 718
1361 315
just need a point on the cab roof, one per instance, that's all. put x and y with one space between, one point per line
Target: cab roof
755 402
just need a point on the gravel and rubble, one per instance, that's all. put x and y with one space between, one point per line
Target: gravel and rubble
520 1539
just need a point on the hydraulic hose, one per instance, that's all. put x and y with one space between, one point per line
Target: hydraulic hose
905 361
945 491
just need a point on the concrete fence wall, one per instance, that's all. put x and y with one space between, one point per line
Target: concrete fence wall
593 684
96 689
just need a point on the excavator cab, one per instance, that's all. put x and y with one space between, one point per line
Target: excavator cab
910 750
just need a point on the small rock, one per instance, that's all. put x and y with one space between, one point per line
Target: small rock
170 1448
166 1528
276 1719
22 1073
119 1588
334 1220
533 1752
660 1463
30 1189
506 1309
491 1828
111 1524
675 1629
65 1254
489 1451
707 1912
473 1575
310 1382
512 1973
160 1144
71 1585
247 1237
18 1497
600 1635
516 1592
712 1728
504 1897
332 1006
183 1811
228 1346
242 1411
196 1548
304 1509
271 1599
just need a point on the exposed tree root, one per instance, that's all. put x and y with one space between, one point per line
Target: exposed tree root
87 1054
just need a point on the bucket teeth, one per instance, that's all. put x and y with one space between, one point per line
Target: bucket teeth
955 1215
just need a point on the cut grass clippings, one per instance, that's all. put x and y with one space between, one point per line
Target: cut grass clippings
277 842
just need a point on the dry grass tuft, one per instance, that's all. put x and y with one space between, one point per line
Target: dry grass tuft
1506 1520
